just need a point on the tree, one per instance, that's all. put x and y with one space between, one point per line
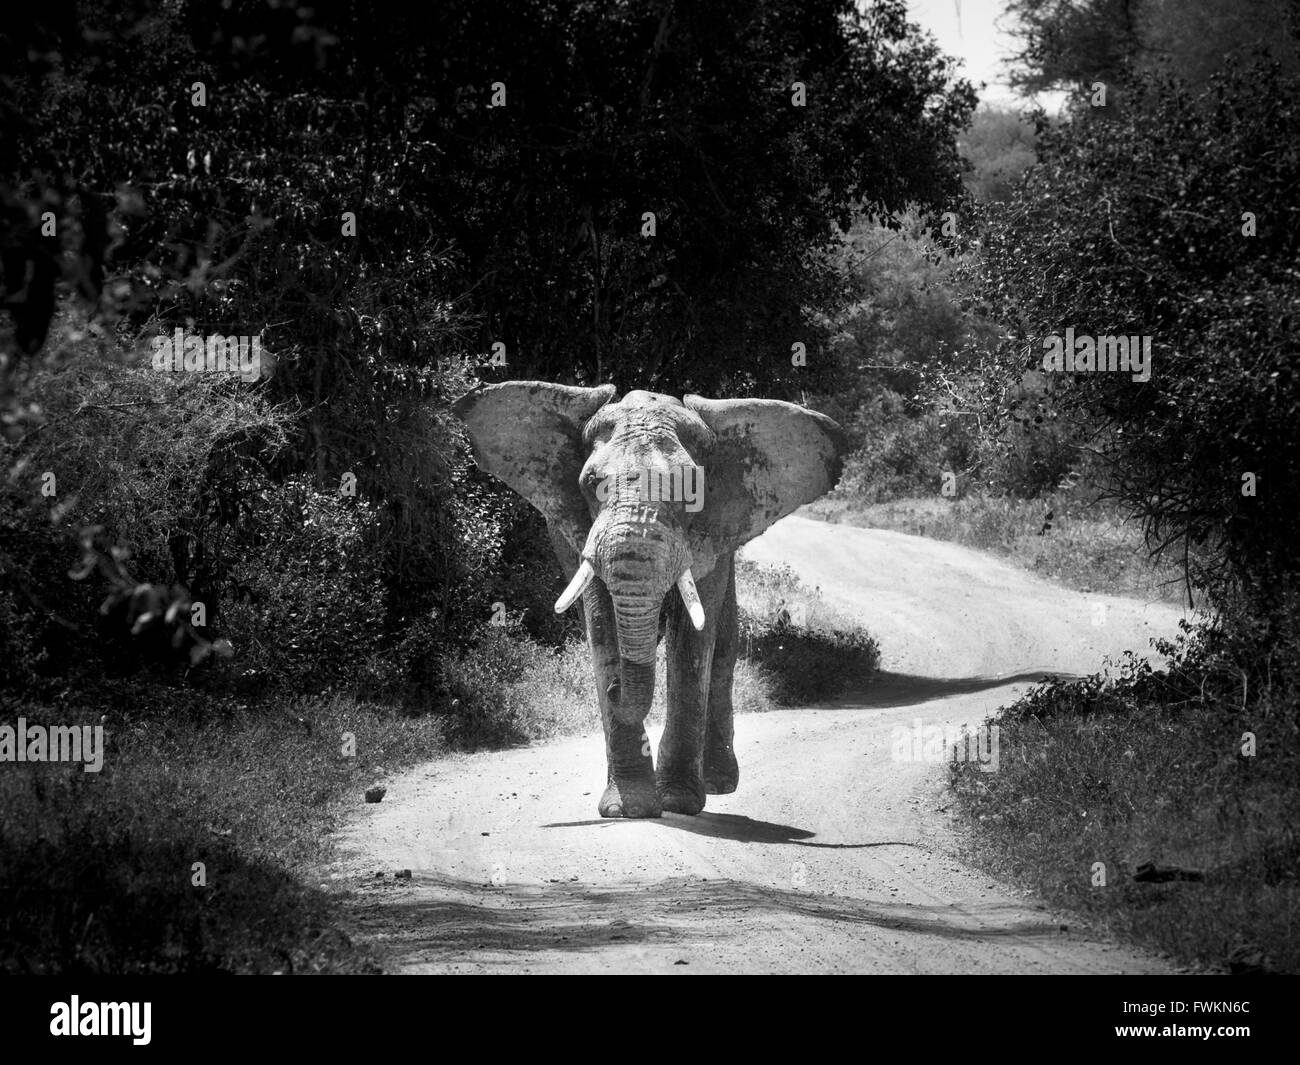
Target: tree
1194 39
1150 225
745 129
398 198
1072 43
999 146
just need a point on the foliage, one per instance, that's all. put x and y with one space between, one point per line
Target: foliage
96 868
204 166
1192 766
806 651
1195 39
135 477
1137 228
904 316
809 665
1074 43
231 211
905 456
308 604
507 688
907 328
999 147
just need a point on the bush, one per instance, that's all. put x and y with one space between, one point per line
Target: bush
1136 766
808 665
507 688
21 646
142 471
805 651
308 603
905 454
183 488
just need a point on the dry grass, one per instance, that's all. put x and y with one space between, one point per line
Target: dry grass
1095 781
1089 546
97 869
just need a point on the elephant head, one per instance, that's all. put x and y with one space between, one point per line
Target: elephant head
645 494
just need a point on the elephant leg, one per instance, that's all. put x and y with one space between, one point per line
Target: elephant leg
721 773
630 786
680 774
630 781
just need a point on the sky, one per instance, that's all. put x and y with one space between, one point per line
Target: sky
974 31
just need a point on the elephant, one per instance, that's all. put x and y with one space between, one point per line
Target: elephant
618 482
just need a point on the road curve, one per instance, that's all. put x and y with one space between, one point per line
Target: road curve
832 856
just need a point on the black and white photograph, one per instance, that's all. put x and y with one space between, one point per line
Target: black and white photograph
649 488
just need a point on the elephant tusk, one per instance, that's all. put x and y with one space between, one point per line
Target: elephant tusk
576 587
686 585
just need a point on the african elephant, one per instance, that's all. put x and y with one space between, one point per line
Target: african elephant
619 485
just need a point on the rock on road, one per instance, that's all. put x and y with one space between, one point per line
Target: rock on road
830 857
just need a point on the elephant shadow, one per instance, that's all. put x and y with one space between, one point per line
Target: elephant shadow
734 827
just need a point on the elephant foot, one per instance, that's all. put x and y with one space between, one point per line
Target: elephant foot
721 773
682 798
632 798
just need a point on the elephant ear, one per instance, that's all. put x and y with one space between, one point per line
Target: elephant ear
529 435
770 459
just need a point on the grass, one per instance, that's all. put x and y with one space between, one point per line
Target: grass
98 870
1096 781
1089 546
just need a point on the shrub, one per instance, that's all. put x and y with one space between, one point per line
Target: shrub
905 454
1136 766
308 603
159 464
808 665
508 688
804 650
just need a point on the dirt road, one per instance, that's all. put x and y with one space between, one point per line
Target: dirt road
831 857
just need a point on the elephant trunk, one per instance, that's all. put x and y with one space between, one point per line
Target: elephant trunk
639 563
637 624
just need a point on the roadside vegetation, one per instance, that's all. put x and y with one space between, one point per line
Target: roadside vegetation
273 592
1088 545
1128 215
1163 805
98 870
